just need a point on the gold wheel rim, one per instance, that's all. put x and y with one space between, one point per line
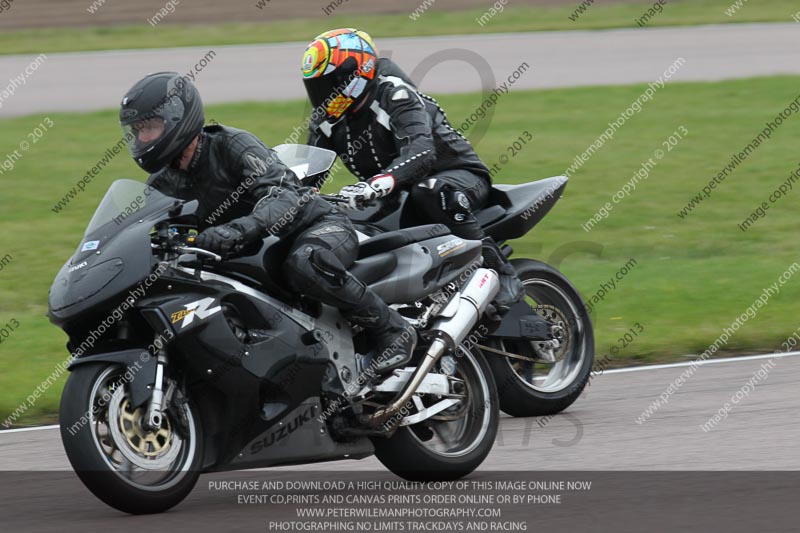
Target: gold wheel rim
147 444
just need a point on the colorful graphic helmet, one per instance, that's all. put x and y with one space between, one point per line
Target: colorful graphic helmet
338 68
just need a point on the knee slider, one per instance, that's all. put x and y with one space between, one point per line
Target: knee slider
329 266
457 204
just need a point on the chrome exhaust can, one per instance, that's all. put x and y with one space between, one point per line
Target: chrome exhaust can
478 293
449 330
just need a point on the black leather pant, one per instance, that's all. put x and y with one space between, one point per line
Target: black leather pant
450 198
317 264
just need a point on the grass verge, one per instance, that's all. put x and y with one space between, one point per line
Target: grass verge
692 277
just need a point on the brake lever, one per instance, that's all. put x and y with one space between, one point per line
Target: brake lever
364 203
198 251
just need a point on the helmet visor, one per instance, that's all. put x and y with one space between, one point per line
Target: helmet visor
323 91
143 133
334 93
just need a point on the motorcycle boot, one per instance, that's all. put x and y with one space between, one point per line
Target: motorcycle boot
511 288
392 338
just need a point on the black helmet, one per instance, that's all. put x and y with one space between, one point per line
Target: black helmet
160 116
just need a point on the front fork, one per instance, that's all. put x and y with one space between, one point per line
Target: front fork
158 399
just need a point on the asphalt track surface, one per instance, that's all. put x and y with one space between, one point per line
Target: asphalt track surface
453 64
638 470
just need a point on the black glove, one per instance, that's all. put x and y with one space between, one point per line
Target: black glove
221 240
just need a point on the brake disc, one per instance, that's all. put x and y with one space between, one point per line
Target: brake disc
146 449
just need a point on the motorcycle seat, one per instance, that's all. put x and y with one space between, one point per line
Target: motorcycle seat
396 239
372 268
490 214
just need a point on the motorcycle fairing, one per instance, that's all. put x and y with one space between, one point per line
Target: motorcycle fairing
282 369
299 437
525 206
425 267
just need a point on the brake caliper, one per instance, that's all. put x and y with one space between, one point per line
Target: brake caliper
553 350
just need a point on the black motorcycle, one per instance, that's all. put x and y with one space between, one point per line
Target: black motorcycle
184 364
541 363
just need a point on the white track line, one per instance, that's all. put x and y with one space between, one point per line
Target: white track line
704 362
20 430
615 371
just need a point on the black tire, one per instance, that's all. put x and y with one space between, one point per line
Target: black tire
82 444
406 455
517 396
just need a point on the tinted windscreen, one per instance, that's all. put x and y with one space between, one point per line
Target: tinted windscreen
126 201
305 160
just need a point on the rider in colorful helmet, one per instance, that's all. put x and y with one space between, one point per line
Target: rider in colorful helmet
338 68
391 136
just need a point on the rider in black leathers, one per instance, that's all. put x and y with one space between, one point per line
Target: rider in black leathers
391 136
246 193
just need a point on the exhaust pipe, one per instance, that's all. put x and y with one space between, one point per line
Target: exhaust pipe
450 330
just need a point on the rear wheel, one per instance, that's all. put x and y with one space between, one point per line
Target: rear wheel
454 442
559 374
128 467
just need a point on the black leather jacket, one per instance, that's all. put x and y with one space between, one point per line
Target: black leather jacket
239 180
398 131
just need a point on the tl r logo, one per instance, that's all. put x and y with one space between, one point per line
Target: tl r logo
199 308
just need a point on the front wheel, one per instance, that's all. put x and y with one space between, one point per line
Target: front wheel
555 379
455 441
128 467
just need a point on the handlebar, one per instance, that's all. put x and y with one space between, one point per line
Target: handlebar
341 200
334 198
171 245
